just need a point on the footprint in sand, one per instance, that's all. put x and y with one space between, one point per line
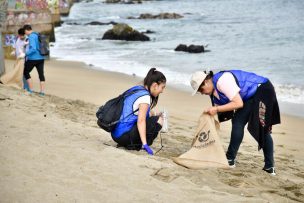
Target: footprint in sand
165 175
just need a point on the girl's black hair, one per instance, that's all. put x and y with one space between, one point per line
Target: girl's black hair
21 31
27 27
154 76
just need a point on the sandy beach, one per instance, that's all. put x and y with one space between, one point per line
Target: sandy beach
51 149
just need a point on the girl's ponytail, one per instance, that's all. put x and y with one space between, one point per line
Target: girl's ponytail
154 75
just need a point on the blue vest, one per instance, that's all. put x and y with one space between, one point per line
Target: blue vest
247 82
127 118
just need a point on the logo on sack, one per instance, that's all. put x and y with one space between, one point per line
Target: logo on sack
204 141
203 137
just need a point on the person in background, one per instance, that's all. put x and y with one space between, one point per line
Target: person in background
253 100
33 59
138 130
15 76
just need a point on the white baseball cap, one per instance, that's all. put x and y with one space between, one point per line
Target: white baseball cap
196 80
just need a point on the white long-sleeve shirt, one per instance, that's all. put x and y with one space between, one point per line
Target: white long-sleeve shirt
20 48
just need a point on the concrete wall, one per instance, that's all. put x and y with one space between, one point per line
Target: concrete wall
3 9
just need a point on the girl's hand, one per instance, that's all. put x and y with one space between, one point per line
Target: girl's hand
211 110
147 149
155 113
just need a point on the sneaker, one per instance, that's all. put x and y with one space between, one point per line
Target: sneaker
270 170
41 93
231 163
29 91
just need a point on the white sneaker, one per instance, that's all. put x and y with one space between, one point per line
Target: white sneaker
270 170
231 163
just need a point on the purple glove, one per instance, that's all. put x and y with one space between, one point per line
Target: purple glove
148 149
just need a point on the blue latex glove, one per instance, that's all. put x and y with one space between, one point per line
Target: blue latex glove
147 149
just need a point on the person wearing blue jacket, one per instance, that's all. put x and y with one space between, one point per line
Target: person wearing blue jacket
33 59
251 99
137 128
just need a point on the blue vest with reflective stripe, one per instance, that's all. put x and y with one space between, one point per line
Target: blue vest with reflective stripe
127 118
247 82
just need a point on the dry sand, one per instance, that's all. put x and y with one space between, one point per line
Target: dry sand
51 149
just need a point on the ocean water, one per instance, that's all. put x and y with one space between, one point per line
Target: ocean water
265 37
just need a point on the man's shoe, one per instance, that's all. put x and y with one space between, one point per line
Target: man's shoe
270 170
29 91
231 163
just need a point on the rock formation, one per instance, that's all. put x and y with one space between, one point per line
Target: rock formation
191 48
158 16
124 32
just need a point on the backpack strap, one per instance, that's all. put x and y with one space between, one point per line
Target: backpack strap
129 93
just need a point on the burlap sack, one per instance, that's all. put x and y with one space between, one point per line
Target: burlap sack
14 77
206 150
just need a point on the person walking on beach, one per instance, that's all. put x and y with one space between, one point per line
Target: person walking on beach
33 59
139 130
253 100
15 76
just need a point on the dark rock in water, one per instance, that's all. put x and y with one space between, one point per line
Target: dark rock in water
124 32
191 49
59 23
169 16
92 23
181 47
123 1
159 16
95 23
147 16
101 23
148 32
195 48
71 23
86 38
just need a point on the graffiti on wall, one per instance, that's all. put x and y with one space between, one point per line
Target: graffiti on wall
28 4
3 9
20 4
37 4
27 18
11 4
10 40
63 3
53 5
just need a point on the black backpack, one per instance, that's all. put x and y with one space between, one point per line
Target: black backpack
108 115
43 45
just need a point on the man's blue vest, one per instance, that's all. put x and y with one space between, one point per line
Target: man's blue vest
127 118
247 82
